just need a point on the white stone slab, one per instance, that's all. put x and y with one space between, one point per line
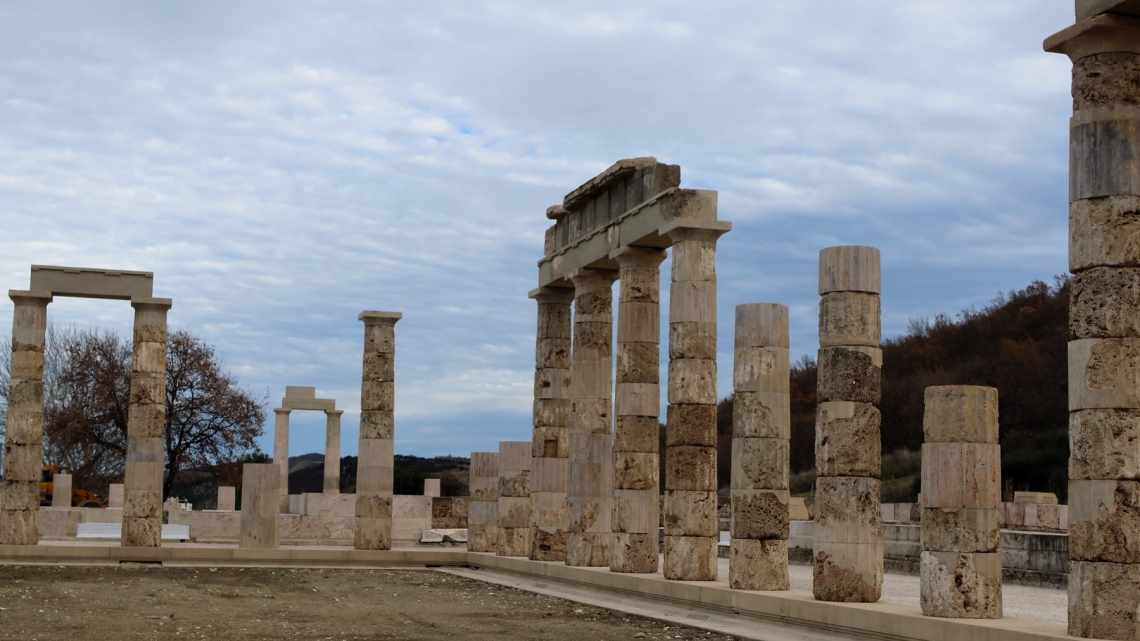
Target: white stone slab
114 531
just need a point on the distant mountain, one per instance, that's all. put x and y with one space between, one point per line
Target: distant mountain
306 473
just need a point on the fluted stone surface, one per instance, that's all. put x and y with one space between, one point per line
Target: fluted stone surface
848 544
513 512
146 426
483 506
374 469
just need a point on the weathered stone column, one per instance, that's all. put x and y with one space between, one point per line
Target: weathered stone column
260 489
961 487
1104 318
483 509
61 490
281 454
226 496
376 457
332 452
692 530
550 447
514 498
146 426
848 533
761 431
24 439
590 484
636 509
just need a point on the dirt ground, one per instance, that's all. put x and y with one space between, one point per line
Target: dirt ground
46 603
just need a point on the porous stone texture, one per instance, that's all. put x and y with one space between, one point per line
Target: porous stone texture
550 447
1104 443
376 457
260 488
848 563
483 508
961 475
961 530
961 585
691 557
1104 232
755 564
514 511
1103 599
960 414
1104 521
146 426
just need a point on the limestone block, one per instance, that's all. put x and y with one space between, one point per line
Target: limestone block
848 572
554 319
639 322
1104 231
1103 599
27 392
514 541
590 415
261 488
514 512
797 509
692 381
145 532
849 268
143 504
590 514
551 383
1039 498
148 388
635 471
1104 158
761 369
761 325
481 538
690 425
694 258
148 357
551 442
379 367
961 585
552 412
370 506
226 498
1104 443
849 319
847 509
548 475
1106 79
961 530
61 490
115 494
638 399
635 511
23 462
758 565
515 485
847 439
379 397
692 340
759 514
1103 303
548 545
692 301
379 337
588 549
638 363
20 495
147 421
19 527
960 414
485 464
689 513
639 433
850 374
24 427
372 534
690 468
759 464
27 364
1104 521
690 558
956 475
375 452
634 552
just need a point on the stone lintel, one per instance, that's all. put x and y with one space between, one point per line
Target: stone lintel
376 317
84 282
1090 8
1098 34
299 392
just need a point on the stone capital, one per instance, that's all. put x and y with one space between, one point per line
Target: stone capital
372 317
24 297
281 410
682 231
155 304
552 295
644 257
1105 33
589 279
336 413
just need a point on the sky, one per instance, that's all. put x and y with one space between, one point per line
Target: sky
282 166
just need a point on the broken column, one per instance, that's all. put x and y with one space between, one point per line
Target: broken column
636 458
146 426
483 507
226 498
61 490
332 452
590 483
281 453
848 546
23 441
961 487
1104 305
514 498
376 456
761 430
260 492
692 531
550 450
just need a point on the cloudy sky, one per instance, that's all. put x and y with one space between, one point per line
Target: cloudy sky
282 166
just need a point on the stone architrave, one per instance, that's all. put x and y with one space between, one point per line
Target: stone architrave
227 498
550 446
61 490
1104 347
514 499
332 452
281 453
483 508
848 546
590 483
761 431
259 505
692 531
960 567
636 458
376 457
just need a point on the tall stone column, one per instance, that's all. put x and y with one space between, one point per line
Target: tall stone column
590 437
961 489
761 432
550 447
24 437
692 531
146 426
636 459
259 500
514 498
376 456
848 532
281 455
332 452
483 508
1104 319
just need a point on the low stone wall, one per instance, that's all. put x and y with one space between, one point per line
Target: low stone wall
448 512
1035 517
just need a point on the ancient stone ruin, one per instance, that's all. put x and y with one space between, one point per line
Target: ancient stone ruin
305 398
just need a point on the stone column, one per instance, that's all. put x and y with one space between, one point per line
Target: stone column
692 531
376 456
24 439
590 436
761 432
431 487
61 490
514 498
260 489
1104 320
550 447
332 452
848 532
226 496
483 510
281 454
636 509
146 426
961 484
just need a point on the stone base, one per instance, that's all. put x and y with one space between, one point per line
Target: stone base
690 558
1103 599
372 534
848 572
481 538
758 565
634 553
547 545
19 527
961 585
514 541
588 550
142 532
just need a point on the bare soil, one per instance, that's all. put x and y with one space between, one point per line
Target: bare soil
108 603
